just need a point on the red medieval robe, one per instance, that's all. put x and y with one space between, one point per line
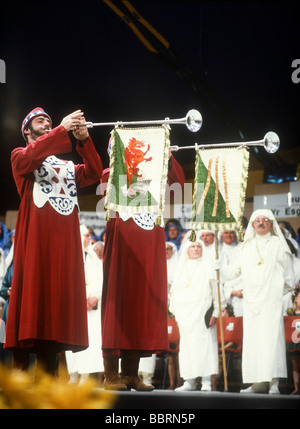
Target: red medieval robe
48 293
134 302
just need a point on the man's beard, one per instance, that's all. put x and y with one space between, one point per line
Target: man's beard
36 133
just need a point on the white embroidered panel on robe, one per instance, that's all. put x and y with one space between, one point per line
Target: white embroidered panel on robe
144 220
55 182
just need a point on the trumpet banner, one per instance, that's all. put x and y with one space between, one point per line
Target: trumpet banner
219 188
138 170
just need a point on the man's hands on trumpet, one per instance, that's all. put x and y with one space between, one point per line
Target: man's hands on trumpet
70 121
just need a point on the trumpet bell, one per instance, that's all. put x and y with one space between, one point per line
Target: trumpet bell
271 142
193 120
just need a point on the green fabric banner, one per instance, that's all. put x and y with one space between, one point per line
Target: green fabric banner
138 170
219 188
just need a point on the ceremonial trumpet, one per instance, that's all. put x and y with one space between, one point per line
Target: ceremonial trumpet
270 142
193 121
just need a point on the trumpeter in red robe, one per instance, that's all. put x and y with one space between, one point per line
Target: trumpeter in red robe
48 297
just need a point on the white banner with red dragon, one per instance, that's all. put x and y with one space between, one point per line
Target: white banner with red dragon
138 170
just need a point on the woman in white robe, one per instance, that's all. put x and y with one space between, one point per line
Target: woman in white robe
192 293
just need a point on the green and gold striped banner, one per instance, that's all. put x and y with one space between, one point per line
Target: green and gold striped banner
219 188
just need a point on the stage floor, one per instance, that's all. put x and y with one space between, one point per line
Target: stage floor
168 399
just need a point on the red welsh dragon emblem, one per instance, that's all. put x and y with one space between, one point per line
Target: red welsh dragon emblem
133 157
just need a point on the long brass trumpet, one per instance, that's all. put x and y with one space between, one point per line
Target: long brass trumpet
193 121
270 142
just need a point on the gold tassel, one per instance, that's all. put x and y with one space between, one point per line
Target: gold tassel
107 216
241 235
193 236
158 221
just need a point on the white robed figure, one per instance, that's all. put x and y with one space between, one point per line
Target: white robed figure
192 293
233 288
172 260
89 361
265 264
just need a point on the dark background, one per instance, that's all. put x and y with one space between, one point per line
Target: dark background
232 61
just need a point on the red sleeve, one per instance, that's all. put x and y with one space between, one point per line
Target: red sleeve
91 170
175 173
104 181
25 160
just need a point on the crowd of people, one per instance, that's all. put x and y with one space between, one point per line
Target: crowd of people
194 359
110 304
262 269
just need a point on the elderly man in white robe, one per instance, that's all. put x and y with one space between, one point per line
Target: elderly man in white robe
193 291
265 263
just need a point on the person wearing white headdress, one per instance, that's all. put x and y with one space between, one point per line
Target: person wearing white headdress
265 264
186 239
193 291
208 238
233 289
172 260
